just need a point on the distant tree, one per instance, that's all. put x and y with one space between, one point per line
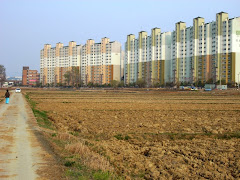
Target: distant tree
96 85
223 82
231 84
185 83
209 81
2 74
132 84
169 84
75 76
141 83
67 77
156 83
114 83
199 84
90 84
38 84
121 84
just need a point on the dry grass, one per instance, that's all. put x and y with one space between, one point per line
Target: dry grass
88 157
65 137
2 93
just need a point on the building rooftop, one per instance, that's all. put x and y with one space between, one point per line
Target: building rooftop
222 12
180 22
198 17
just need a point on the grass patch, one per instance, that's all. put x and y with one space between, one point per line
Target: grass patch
75 174
228 135
81 172
190 136
127 137
101 175
41 116
54 134
74 133
121 137
69 163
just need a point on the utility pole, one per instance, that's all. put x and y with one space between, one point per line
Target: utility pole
86 77
220 76
174 76
79 77
55 80
101 78
238 81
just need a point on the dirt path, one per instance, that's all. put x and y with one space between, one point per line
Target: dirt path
21 154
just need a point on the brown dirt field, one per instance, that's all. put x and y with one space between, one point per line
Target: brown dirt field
153 134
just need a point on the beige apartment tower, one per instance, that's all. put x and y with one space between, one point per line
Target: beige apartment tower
95 62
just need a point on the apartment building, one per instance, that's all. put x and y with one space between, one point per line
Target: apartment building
56 61
101 62
147 57
97 62
203 52
29 77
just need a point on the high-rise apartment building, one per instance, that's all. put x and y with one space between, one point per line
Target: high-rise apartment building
56 61
203 52
146 58
29 77
97 62
101 62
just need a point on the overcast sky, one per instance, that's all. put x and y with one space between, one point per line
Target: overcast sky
26 25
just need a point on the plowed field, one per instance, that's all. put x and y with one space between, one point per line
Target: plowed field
153 134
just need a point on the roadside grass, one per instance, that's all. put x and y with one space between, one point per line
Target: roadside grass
80 162
80 172
41 116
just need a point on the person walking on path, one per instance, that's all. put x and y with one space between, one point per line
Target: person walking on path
7 95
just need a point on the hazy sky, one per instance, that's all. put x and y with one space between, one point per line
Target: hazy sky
26 25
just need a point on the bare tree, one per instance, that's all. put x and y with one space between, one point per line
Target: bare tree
2 74
67 77
73 76
141 83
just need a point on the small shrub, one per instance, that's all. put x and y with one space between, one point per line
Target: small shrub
119 137
126 137
54 134
69 163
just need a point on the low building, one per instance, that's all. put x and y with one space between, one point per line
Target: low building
29 77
